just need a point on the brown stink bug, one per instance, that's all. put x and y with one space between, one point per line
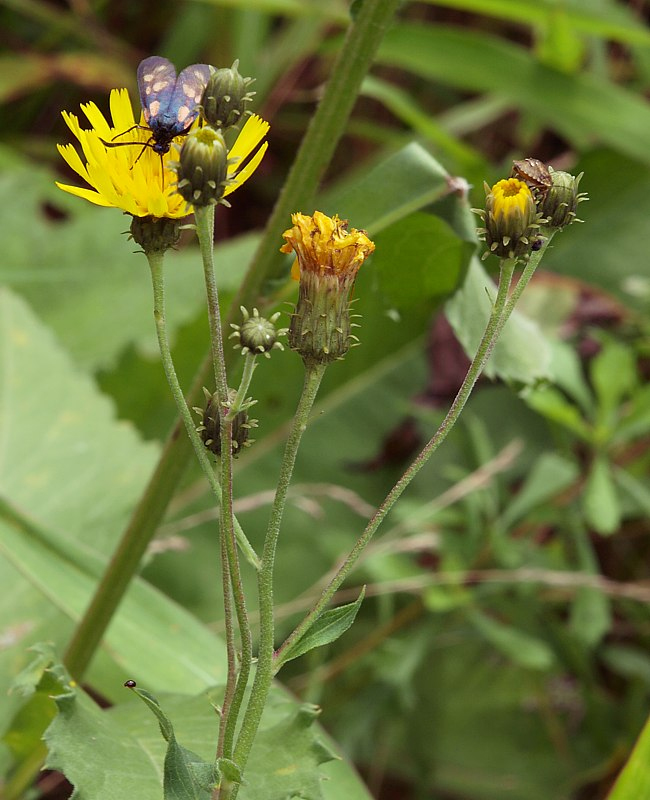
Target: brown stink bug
534 173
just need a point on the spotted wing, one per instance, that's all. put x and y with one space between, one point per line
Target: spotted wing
189 88
157 84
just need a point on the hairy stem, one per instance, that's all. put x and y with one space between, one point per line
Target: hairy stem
494 325
264 674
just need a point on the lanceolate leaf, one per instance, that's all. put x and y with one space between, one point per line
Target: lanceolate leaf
327 628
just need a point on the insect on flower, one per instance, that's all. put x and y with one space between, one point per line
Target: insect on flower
169 102
534 173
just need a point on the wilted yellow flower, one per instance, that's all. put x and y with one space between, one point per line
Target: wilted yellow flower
324 245
133 177
328 259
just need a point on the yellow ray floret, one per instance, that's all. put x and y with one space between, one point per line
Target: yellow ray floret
129 177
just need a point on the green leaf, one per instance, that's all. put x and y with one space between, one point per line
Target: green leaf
634 488
636 421
437 259
618 190
520 647
521 354
614 376
550 474
327 628
600 502
604 20
591 616
553 405
187 776
580 107
634 781
402 104
118 753
70 474
414 179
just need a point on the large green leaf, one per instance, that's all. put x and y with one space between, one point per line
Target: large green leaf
521 354
605 20
634 781
584 108
609 249
109 755
69 475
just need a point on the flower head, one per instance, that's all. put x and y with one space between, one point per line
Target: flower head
130 176
510 218
328 259
560 204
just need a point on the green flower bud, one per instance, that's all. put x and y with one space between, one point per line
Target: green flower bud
511 219
155 235
560 204
202 168
257 334
225 97
210 428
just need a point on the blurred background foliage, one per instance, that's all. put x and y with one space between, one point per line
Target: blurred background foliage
502 650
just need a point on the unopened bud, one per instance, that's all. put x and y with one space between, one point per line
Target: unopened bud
257 334
225 97
560 204
210 429
202 168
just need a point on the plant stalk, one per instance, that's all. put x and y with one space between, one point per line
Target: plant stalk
236 682
264 673
494 326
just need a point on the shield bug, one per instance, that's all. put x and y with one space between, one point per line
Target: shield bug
170 103
534 173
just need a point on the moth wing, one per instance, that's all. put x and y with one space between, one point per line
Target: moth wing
189 88
157 83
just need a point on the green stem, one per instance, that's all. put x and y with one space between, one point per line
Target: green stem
236 683
494 326
264 674
250 362
204 217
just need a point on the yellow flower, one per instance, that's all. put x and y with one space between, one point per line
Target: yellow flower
129 177
324 245
328 259
510 218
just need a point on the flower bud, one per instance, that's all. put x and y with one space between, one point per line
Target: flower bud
202 168
257 334
155 235
510 217
210 428
328 259
560 204
225 97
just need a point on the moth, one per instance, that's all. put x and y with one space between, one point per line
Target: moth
170 103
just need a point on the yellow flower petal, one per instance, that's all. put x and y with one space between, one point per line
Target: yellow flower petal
244 174
87 194
124 172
